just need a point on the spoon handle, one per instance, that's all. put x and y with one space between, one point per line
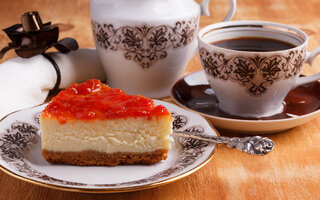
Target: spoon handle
255 145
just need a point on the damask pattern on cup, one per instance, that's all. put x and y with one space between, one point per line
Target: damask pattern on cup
255 73
145 44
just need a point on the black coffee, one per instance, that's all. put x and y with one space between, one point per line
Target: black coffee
254 44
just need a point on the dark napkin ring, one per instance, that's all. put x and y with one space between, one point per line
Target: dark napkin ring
57 69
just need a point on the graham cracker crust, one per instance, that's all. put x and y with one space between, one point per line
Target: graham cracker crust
90 158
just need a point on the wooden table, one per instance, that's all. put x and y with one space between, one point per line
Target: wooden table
291 171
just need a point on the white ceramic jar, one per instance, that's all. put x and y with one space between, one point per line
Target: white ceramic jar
145 45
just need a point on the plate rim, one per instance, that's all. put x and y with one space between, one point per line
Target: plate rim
230 119
112 190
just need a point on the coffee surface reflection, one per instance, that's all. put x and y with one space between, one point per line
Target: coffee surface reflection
255 44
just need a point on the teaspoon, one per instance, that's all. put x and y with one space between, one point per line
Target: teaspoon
255 145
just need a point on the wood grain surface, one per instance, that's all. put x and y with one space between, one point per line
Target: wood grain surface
291 171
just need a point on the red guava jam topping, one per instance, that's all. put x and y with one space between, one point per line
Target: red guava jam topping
95 100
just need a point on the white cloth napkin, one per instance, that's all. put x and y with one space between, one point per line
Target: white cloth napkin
26 82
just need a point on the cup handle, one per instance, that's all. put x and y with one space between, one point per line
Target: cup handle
309 59
232 8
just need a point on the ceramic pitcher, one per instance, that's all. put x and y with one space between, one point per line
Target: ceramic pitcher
145 45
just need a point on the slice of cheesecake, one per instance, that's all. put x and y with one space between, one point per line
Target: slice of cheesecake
93 124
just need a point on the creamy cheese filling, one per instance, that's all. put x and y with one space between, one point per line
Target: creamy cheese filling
110 136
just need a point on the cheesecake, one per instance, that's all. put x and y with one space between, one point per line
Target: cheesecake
93 124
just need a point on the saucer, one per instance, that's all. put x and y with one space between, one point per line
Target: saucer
300 106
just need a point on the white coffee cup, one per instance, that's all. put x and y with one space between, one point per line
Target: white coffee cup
145 45
254 84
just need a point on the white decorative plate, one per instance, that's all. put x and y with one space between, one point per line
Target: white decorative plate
20 156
